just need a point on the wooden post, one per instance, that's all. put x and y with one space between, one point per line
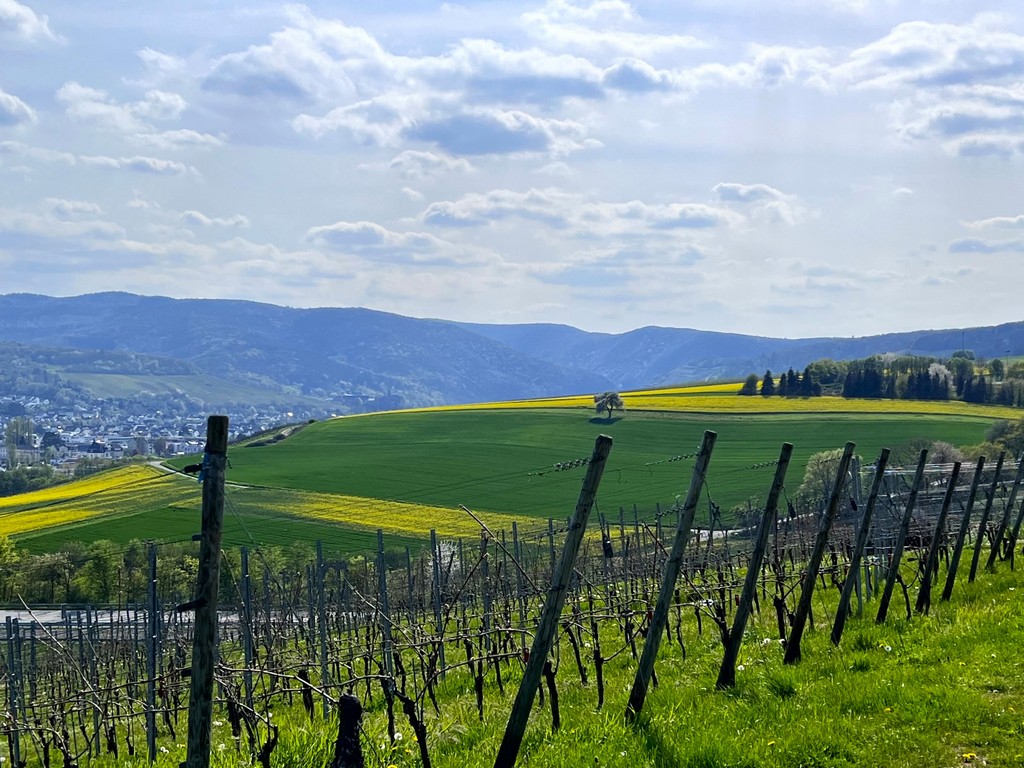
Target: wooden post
668 579
901 540
204 648
385 610
924 594
14 737
853 573
435 557
517 720
1011 544
803 608
152 628
247 622
965 524
727 673
1005 520
980 540
321 621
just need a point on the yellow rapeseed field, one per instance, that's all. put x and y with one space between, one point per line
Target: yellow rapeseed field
96 495
393 516
723 398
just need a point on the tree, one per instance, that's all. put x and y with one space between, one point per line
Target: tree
750 385
767 384
819 479
997 368
608 401
18 434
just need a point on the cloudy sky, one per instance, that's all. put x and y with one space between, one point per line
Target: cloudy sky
777 167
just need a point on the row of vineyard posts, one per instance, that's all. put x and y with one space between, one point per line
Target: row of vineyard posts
104 680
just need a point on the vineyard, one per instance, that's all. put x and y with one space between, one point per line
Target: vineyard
390 660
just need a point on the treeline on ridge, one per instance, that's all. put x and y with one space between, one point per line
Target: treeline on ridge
900 377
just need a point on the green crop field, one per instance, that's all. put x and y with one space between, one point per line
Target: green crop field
408 472
492 460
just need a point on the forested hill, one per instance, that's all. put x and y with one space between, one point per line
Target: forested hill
346 355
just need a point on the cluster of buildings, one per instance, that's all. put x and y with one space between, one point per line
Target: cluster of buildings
62 436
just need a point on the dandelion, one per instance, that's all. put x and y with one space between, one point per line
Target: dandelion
740 668
221 747
398 736
887 709
968 757
771 743
218 723
888 649
164 750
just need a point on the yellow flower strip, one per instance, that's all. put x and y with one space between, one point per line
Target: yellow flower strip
123 490
33 520
100 482
396 516
797 405
584 401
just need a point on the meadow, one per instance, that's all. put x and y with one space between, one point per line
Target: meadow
409 471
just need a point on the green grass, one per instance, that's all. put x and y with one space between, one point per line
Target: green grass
488 460
245 524
945 690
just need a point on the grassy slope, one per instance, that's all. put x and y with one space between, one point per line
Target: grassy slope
484 459
946 691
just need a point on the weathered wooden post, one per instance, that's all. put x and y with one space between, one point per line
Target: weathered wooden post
435 557
853 573
321 622
924 594
542 641
247 628
803 608
901 539
1005 520
727 673
385 610
152 629
668 579
204 647
979 542
965 524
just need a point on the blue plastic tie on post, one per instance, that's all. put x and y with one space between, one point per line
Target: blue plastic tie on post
206 463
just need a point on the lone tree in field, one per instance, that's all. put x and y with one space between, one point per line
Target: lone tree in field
608 401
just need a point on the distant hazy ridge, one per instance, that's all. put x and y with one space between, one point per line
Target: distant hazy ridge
336 353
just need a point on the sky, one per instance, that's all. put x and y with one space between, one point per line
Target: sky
787 168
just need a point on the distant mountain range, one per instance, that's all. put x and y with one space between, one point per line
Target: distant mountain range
344 356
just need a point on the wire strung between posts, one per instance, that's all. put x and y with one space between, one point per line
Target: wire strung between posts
670 459
561 466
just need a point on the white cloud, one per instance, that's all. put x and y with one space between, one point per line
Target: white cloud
730 192
20 23
997 222
178 140
925 54
14 111
69 209
42 154
95 106
602 27
575 214
977 245
767 204
139 164
195 218
415 164
371 240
